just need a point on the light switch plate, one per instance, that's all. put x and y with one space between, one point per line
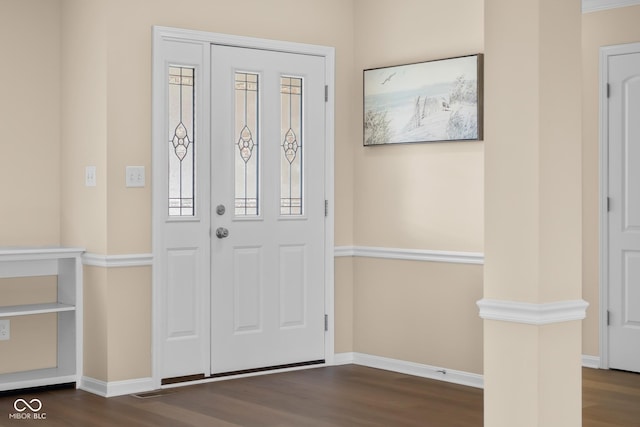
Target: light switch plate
5 329
90 176
135 176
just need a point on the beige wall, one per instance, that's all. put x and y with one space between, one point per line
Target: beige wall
128 83
610 27
107 108
425 196
422 312
82 98
96 297
84 125
105 121
117 323
114 110
30 122
419 196
344 305
128 306
33 338
29 167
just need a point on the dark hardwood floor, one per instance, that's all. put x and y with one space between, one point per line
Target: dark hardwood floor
610 398
337 396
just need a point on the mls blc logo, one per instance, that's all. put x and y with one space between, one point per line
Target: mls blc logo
28 410
21 405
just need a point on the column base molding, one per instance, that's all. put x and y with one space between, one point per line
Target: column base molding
116 388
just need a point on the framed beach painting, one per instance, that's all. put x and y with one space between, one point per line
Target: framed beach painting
429 101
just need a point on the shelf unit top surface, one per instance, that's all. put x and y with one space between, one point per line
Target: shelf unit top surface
35 251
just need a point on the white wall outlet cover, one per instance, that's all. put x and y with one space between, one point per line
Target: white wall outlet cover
135 176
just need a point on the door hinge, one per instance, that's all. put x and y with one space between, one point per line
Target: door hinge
326 93
608 204
608 318
326 208
326 322
608 90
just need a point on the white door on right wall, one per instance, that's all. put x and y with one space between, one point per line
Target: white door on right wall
624 211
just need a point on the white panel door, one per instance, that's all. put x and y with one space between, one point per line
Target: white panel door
624 215
268 219
181 208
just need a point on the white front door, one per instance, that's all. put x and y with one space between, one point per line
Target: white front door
240 237
624 211
267 254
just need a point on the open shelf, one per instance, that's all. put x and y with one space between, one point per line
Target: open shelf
29 309
66 264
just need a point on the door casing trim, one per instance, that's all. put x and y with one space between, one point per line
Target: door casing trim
605 53
160 34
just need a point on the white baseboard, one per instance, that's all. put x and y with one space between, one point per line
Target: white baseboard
591 361
116 388
411 368
428 371
140 385
93 386
343 358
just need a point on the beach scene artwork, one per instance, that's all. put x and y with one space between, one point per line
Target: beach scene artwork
425 102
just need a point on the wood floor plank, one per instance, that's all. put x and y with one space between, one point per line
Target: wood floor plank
350 396
610 398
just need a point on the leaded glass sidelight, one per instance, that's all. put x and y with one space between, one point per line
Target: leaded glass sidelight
291 146
181 141
246 144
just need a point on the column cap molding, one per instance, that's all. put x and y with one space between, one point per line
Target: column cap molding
532 313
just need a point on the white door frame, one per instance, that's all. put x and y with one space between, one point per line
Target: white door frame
605 53
157 132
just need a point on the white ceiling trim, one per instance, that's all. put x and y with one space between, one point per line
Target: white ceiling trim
596 5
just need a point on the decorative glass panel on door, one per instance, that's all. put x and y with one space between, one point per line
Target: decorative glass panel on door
246 142
291 144
181 141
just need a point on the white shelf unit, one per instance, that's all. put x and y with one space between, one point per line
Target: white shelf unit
66 264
